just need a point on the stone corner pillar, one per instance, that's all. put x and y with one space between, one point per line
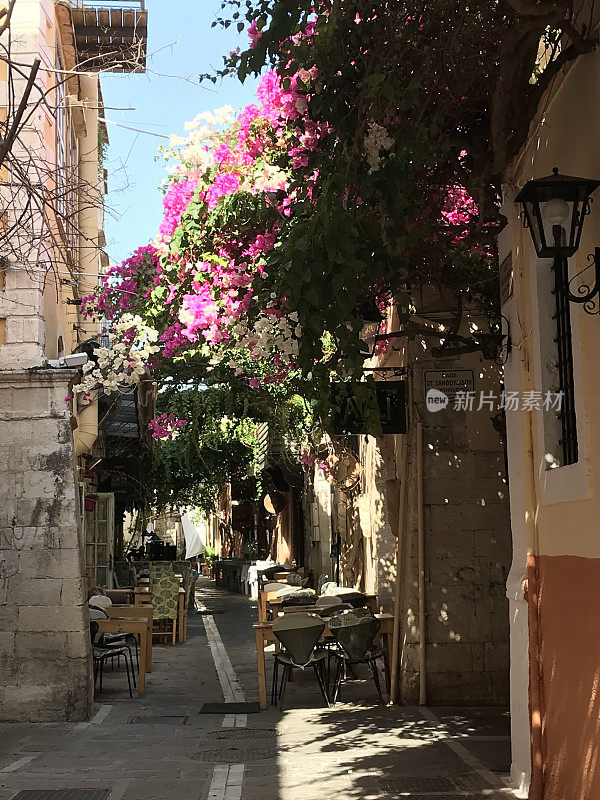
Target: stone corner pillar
45 660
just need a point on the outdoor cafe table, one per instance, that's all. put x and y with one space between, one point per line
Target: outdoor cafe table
136 612
138 627
143 595
264 635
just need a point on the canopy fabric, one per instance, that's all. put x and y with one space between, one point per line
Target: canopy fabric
195 534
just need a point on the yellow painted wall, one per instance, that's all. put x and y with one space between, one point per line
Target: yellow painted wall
566 136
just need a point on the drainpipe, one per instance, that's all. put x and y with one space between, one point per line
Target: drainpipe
421 566
399 566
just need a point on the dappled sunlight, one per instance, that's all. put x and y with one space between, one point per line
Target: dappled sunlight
366 750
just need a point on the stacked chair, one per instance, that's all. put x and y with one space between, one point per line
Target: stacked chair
102 651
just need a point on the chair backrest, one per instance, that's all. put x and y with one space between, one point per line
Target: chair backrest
95 637
328 604
190 576
299 634
165 594
355 630
96 612
275 587
100 601
354 598
157 569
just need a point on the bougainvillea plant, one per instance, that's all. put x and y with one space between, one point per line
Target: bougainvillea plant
368 167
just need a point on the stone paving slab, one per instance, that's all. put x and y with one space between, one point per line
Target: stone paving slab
359 750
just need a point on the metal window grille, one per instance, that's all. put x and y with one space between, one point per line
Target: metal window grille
562 317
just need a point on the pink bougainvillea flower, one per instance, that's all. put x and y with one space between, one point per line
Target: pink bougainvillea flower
254 33
223 185
175 202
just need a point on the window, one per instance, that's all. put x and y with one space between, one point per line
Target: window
556 360
564 365
66 159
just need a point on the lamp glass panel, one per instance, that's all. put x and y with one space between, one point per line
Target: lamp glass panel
536 225
577 224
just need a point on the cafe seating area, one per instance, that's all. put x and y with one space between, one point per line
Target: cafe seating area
311 630
126 621
333 632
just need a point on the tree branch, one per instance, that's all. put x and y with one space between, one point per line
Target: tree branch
538 8
5 16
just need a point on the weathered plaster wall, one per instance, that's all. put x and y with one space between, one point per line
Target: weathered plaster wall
45 669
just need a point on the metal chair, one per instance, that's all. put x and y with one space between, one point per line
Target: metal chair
355 631
128 640
101 654
299 635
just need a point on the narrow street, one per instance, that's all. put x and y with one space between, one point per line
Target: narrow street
161 746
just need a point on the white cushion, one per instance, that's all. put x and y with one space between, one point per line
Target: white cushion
97 613
100 601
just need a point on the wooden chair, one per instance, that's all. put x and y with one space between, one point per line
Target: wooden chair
165 599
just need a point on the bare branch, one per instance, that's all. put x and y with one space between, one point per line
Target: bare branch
14 128
539 8
6 15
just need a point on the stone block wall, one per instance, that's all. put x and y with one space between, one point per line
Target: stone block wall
467 554
45 661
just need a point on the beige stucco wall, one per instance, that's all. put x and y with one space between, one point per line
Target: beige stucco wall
554 512
561 527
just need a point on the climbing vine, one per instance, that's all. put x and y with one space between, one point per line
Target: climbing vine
368 167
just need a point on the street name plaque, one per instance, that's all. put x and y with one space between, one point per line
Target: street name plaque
449 381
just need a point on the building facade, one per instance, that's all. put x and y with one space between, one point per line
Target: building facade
425 524
51 254
554 478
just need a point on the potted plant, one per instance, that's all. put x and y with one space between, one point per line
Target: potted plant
209 557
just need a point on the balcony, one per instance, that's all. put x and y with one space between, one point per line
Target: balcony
110 35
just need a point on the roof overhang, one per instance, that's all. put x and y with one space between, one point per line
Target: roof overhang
110 35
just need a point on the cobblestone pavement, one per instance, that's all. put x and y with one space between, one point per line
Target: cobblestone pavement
160 746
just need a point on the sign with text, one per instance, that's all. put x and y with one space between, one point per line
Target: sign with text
449 381
353 400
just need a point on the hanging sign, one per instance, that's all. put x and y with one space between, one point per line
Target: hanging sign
391 401
274 502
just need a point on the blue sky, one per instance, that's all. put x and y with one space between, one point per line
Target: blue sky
182 44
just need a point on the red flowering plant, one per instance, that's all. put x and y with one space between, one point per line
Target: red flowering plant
378 192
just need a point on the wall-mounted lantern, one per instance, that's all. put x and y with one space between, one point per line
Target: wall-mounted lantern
554 210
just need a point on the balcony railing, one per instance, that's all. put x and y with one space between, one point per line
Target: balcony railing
126 5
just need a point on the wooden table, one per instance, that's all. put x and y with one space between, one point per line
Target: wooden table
264 634
146 612
143 595
138 627
263 599
274 603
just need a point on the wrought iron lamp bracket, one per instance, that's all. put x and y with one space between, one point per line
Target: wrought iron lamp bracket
586 294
